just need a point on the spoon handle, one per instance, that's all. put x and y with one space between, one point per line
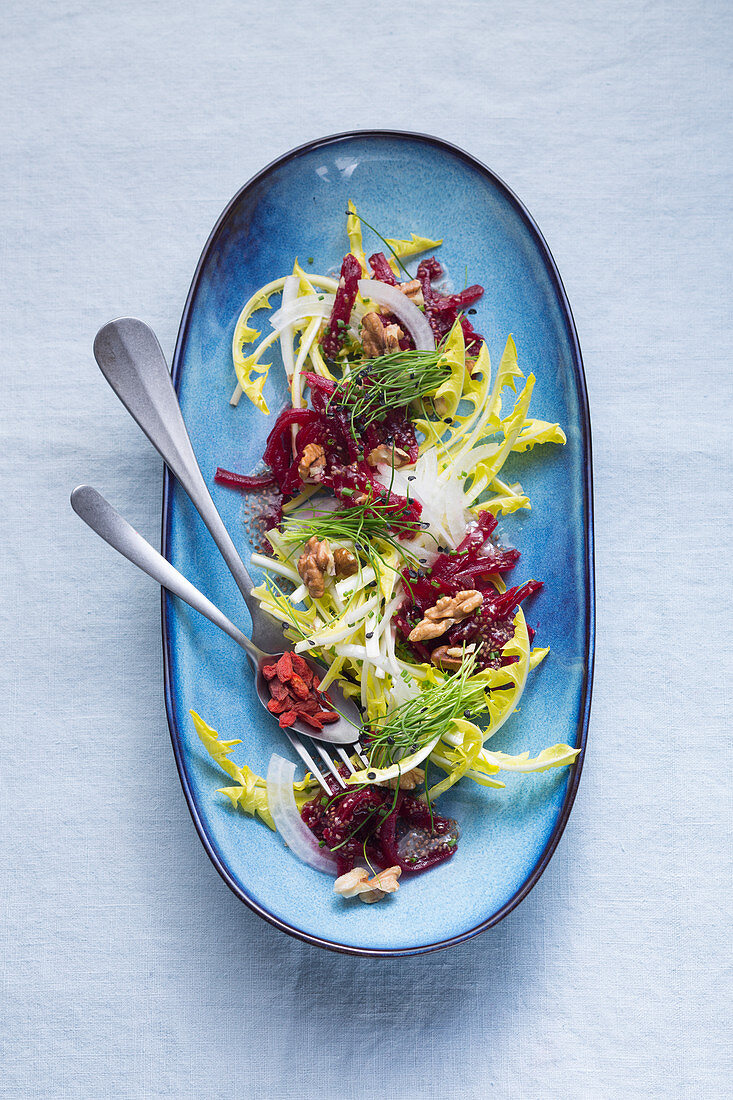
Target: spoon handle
99 514
132 361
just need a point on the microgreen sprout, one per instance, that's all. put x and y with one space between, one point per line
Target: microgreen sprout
352 214
378 386
422 719
371 527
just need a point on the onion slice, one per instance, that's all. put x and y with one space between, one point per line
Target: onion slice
290 293
398 303
288 822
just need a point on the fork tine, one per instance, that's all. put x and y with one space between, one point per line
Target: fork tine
358 750
346 758
329 763
307 759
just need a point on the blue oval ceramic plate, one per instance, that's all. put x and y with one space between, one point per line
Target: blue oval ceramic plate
296 207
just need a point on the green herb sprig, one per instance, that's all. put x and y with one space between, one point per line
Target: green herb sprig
351 214
413 724
375 387
369 527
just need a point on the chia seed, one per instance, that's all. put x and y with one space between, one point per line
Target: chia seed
416 844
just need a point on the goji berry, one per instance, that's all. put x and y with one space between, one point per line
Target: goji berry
298 687
287 718
312 720
278 706
303 669
278 690
284 668
269 671
328 715
307 706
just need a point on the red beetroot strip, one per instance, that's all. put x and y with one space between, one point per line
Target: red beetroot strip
443 309
381 269
373 819
346 471
338 322
467 567
246 482
294 693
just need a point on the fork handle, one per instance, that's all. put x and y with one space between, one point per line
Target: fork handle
132 361
99 514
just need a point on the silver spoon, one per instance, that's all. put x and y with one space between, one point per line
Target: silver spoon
132 361
99 514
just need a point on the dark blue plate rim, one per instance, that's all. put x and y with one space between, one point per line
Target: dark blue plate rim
170 706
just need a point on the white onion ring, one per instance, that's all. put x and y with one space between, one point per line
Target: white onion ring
301 309
290 293
398 303
288 822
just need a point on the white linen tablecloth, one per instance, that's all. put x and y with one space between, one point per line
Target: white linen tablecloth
129 969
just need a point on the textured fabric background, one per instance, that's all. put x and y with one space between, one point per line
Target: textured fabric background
129 969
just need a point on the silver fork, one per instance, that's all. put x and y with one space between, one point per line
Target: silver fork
132 361
99 514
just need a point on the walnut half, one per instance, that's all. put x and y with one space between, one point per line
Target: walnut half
357 883
378 339
447 611
345 563
406 781
314 564
391 455
413 291
312 464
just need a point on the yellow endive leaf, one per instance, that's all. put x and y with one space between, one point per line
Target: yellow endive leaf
353 229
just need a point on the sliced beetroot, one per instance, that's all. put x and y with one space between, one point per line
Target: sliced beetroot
472 339
348 814
394 828
442 310
382 271
246 482
469 566
459 301
477 536
495 561
338 322
413 839
430 269
506 603
320 385
279 450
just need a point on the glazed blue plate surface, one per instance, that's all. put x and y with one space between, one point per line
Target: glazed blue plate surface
401 183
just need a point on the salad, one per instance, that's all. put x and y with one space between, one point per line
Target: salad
377 501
